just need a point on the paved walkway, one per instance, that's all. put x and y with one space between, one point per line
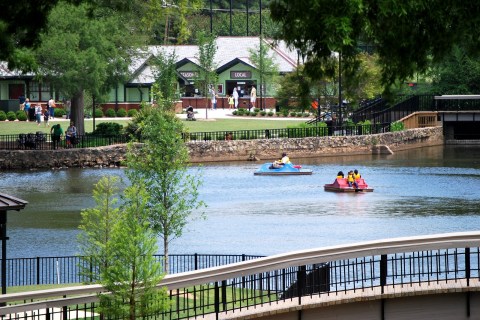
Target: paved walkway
202 114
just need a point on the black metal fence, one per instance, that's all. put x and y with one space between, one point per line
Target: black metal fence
43 141
66 270
382 271
312 131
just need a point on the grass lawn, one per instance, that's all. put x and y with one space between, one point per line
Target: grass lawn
17 127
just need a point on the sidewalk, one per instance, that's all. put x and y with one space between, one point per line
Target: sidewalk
219 113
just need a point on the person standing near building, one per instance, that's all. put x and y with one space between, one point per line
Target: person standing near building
21 102
235 97
253 97
38 114
213 98
51 108
26 108
231 102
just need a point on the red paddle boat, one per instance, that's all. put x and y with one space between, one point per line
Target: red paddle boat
341 185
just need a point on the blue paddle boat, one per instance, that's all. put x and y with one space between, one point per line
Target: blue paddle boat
288 169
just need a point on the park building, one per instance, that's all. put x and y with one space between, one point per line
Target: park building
233 63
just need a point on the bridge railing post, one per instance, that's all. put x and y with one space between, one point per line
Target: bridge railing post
301 278
467 265
383 271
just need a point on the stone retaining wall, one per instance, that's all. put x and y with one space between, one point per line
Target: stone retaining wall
268 149
235 150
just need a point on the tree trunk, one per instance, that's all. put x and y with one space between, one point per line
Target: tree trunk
77 115
165 253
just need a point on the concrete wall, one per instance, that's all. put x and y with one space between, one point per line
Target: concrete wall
451 306
241 150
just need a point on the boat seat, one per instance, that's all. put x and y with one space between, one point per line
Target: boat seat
361 183
342 183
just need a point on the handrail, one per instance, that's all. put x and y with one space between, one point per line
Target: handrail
279 261
304 257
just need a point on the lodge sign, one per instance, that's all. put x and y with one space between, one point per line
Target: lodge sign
240 74
189 74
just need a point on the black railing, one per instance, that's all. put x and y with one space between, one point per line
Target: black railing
440 264
66 270
381 111
319 131
43 141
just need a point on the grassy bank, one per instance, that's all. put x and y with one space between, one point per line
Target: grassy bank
17 127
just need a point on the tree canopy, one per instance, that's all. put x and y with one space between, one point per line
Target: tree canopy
78 53
408 35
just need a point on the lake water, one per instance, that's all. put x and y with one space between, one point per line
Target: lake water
422 191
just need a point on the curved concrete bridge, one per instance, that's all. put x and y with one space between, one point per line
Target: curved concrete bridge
425 277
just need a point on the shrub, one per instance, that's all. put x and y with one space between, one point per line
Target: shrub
253 114
110 113
98 113
122 113
59 112
234 112
11 116
241 112
3 115
293 114
270 114
305 114
108 129
285 112
364 127
132 112
263 113
397 126
21 115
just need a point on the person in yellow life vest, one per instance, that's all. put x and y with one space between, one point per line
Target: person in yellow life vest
340 175
356 175
285 159
351 180
281 162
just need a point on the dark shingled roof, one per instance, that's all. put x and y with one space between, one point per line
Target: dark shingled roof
8 202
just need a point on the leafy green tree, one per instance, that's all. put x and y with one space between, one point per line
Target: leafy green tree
96 227
118 247
266 66
207 74
165 73
408 36
160 164
459 73
133 274
84 49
